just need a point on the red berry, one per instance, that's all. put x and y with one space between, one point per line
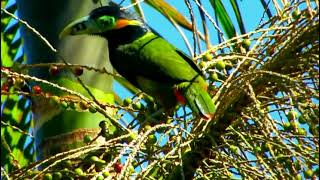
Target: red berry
37 89
78 71
5 87
118 167
54 70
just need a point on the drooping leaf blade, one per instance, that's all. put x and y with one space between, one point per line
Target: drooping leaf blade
236 10
224 18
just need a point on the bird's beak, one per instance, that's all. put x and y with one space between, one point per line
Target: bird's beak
125 22
84 25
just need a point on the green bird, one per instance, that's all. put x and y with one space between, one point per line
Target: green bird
147 60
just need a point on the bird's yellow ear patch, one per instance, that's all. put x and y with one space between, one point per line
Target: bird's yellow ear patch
121 23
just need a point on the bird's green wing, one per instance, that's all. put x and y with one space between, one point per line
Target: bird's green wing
160 61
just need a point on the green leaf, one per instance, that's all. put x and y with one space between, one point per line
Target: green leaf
224 18
238 15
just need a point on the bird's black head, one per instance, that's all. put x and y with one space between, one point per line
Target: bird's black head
101 20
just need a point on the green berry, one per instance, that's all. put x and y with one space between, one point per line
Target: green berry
100 178
78 171
214 76
292 115
302 132
133 136
127 101
287 126
106 174
220 65
137 106
87 138
296 14
64 104
202 64
302 120
152 139
72 105
234 149
294 125
131 169
92 109
246 43
308 173
147 127
258 149
103 125
298 177
207 57
57 176
54 100
47 176
94 159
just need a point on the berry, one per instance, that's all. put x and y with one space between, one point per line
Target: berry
100 178
5 87
298 177
292 115
294 125
47 176
92 109
220 65
207 57
54 70
137 106
78 171
83 105
57 175
118 167
106 174
87 138
234 149
127 101
78 71
287 126
246 43
296 14
147 127
36 89
152 139
103 125
214 76
302 120
202 64
302 132
64 104
308 173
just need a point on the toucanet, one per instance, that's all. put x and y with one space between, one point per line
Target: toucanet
147 60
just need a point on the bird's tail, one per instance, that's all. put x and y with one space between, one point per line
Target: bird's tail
198 99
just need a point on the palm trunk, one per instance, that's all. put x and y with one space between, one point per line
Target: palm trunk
58 129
